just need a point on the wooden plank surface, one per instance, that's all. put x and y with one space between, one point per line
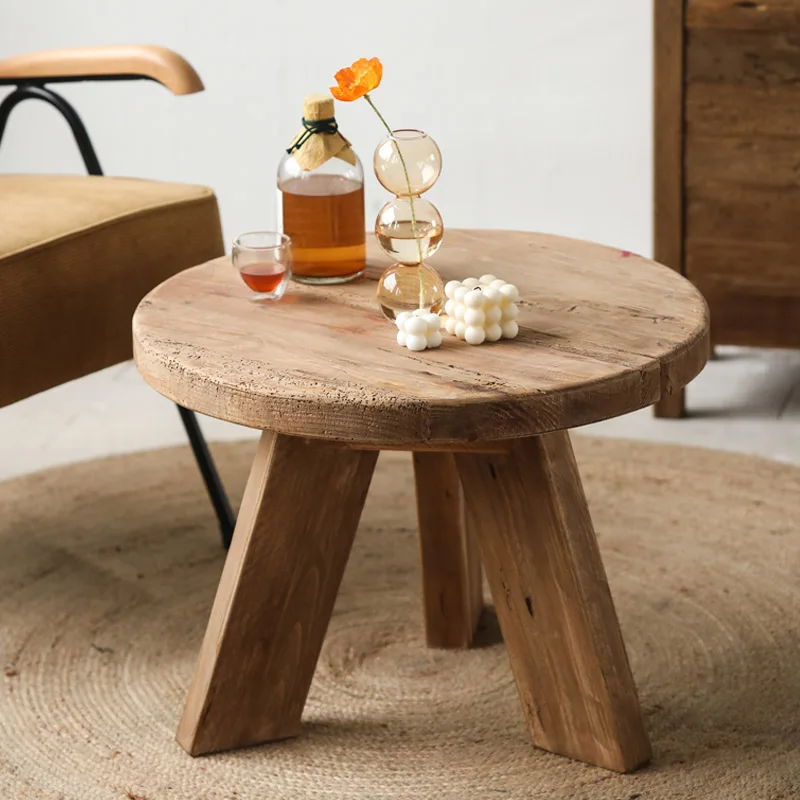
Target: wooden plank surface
602 332
744 161
752 318
748 15
742 241
553 602
718 110
765 268
743 253
743 57
451 568
499 446
739 213
276 594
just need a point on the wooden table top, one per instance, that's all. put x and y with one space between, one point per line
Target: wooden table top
602 332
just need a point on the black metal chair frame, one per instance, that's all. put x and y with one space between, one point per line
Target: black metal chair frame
36 89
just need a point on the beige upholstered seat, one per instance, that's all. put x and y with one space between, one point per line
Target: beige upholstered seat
76 256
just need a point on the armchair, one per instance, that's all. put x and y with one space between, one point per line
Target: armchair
77 253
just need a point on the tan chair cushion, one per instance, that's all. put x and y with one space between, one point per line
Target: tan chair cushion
77 253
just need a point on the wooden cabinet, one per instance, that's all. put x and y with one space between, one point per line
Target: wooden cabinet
727 163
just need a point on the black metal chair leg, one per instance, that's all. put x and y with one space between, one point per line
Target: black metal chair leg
208 469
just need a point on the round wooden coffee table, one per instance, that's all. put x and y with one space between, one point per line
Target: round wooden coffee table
602 332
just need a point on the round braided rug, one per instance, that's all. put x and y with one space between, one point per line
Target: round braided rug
109 568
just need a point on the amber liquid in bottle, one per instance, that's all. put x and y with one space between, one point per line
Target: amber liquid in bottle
323 215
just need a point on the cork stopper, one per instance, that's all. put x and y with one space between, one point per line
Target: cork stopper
312 148
317 106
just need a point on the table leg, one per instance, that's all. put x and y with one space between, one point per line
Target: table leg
451 568
293 536
553 602
671 406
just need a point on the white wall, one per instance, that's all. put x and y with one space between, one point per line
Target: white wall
541 108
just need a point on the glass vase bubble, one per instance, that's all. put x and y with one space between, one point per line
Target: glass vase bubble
395 232
408 287
423 161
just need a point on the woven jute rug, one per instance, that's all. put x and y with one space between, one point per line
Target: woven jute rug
108 571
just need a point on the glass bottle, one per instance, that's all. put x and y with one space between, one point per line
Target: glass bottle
321 199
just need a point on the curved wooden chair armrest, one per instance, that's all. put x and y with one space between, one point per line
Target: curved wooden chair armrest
121 61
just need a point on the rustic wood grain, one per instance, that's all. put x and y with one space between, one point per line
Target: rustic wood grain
602 332
553 602
749 15
752 317
746 161
744 267
668 207
276 594
743 58
498 446
718 110
739 213
672 405
451 568
742 169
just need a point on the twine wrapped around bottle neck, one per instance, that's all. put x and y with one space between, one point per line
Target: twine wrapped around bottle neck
320 139
328 126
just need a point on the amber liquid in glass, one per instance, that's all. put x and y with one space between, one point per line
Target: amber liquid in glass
263 277
323 215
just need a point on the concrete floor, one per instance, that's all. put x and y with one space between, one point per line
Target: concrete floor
745 400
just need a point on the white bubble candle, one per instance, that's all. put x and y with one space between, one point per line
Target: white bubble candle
418 330
481 309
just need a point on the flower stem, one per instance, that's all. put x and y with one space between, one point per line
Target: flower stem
410 197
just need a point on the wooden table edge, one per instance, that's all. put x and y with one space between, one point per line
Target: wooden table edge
653 381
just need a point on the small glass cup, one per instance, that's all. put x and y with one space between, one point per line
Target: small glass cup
263 259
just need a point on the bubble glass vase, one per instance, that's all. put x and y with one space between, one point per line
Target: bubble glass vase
409 228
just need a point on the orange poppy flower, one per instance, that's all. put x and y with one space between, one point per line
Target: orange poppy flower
355 81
